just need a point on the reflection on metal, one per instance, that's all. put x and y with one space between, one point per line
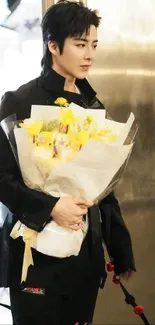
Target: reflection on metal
124 77
47 3
136 72
85 2
132 19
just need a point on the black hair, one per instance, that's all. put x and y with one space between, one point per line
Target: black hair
62 20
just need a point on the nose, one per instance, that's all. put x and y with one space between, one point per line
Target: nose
90 53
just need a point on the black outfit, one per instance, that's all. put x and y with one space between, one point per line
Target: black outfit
70 285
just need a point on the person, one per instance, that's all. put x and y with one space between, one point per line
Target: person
60 291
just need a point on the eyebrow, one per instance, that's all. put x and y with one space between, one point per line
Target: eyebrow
84 40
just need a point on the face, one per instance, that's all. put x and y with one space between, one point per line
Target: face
77 57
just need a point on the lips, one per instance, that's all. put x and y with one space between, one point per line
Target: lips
85 67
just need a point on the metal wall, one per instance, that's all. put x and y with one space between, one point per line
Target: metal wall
124 78
47 3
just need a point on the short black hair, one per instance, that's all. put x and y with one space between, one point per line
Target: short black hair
62 20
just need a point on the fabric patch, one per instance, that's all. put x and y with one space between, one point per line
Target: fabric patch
35 291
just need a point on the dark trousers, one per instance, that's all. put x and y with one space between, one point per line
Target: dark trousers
52 308
67 289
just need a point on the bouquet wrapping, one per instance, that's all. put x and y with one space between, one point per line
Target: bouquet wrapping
66 150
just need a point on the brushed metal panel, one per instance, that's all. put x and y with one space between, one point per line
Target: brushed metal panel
124 77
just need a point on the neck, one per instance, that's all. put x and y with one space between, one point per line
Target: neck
69 85
69 80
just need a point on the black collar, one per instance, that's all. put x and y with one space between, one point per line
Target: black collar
55 82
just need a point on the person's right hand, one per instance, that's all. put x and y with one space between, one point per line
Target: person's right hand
68 212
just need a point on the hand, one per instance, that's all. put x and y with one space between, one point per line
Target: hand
126 275
68 212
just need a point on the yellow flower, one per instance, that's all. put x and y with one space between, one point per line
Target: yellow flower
112 138
80 138
83 137
93 132
32 129
97 137
67 117
105 135
89 119
46 136
61 102
104 132
90 125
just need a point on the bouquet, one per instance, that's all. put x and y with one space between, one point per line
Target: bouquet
70 151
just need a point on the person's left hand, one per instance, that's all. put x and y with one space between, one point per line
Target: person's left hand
126 275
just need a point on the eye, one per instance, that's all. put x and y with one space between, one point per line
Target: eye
80 45
95 46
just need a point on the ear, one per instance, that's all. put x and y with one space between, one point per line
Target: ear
53 47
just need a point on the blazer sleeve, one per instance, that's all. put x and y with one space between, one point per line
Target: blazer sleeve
116 235
33 207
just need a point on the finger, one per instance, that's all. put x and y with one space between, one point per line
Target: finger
76 227
78 220
83 202
82 212
130 274
125 276
76 223
122 276
82 206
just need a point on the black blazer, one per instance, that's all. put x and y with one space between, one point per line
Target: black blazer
32 207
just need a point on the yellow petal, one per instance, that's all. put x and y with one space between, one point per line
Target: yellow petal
83 137
79 138
61 102
33 129
89 119
67 117
46 136
93 132
104 132
97 137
